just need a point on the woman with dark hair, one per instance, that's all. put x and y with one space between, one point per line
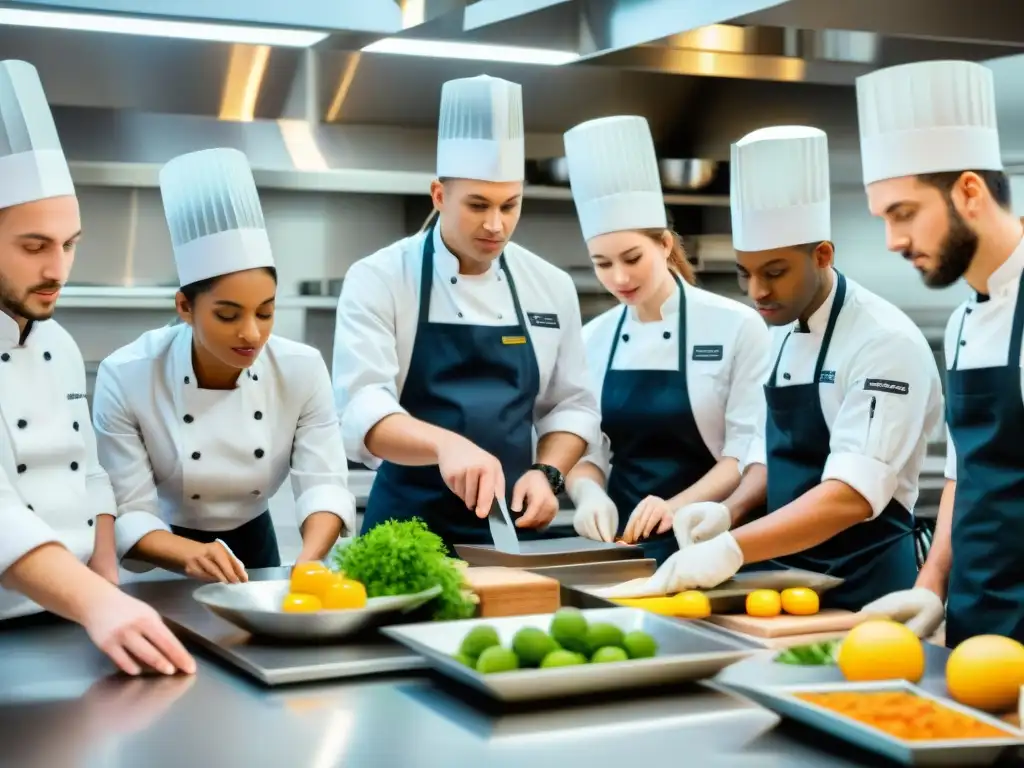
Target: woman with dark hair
677 369
198 424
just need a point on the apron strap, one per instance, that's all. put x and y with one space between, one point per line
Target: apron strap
515 295
1018 326
427 274
682 329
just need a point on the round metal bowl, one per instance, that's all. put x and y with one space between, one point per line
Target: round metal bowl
255 607
684 174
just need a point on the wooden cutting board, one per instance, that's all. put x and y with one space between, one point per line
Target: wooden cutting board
832 621
512 592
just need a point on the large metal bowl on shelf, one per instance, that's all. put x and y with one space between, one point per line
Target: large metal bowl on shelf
677 174
255 606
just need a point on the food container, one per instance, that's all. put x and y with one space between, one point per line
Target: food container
784 701
255 607
687 652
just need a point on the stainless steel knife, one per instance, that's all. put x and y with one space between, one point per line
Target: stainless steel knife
503 530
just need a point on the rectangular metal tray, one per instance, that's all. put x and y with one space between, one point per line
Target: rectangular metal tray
687 653
268 661
782 700
548 552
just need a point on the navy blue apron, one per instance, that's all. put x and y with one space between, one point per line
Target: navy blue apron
985 416
254 543
479 381
656 447
874 557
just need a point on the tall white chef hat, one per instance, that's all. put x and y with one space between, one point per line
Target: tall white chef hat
614 175
480 131
213 212
32 164
927 117
779 191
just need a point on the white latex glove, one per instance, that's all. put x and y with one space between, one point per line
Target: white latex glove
596 517
699 566
699 522
919 608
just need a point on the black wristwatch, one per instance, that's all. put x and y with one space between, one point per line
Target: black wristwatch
554 476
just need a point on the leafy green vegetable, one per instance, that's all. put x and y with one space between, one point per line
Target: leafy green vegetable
404 557
816 654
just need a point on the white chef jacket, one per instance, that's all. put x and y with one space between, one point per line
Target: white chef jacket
378 312
52 487
978 332
725 386
880 393
211 459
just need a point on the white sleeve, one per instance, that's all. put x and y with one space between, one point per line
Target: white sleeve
23 530
745 405
567 404
366 363
124 457
885 411
950 457
319 468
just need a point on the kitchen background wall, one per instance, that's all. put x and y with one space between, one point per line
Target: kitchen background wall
342 139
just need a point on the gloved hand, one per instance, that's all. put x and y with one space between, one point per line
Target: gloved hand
699 566
596 517
699 522
919 608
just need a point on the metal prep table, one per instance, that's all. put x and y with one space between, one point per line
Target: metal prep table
61 705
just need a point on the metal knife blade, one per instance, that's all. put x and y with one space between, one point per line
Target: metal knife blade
503 530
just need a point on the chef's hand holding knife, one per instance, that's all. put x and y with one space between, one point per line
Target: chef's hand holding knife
476 477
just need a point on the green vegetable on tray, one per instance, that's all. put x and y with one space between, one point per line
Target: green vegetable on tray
402 558
814 655
570 641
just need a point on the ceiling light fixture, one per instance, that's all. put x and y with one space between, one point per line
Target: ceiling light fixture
451 49
187 30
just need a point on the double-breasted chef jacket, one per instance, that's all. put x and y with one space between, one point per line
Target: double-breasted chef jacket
52 486
880 398
985 424
209 460
724 363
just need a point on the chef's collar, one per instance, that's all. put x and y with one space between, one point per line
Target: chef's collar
1007 275
669 308
186 374
447 265
818 322
11 335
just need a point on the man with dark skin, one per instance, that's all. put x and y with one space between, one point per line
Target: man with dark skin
852 396
946 208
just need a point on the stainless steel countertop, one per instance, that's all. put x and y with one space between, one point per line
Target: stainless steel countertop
61 705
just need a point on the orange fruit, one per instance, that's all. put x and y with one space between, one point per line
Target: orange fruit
299 603
986 672
800 601
344 594
764 602
881 649
311 578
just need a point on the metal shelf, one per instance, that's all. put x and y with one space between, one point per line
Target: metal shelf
162 299
341 180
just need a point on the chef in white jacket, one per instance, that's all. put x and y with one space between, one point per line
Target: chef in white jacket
455 348
933 172
851 399
198 424
56 504
677 370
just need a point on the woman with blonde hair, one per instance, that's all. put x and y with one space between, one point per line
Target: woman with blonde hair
678 370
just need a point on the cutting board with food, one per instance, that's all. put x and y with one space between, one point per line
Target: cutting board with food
511 591
783 625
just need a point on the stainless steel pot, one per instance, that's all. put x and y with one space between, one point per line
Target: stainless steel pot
684 174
